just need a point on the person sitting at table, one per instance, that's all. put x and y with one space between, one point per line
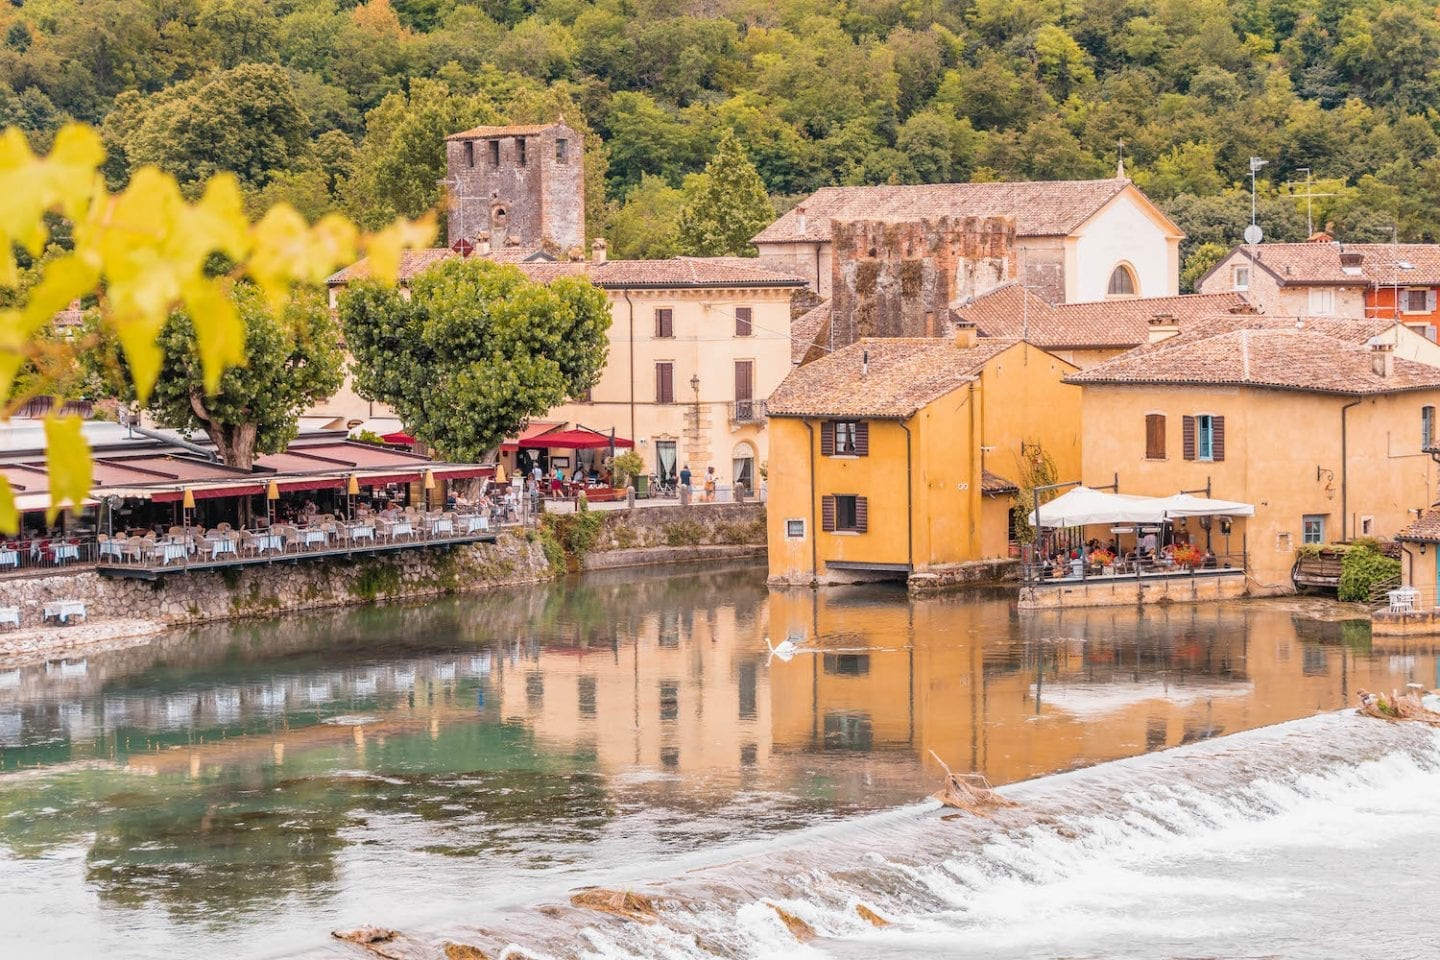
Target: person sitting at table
1209 560
391 512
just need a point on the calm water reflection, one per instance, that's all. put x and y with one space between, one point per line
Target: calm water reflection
255 784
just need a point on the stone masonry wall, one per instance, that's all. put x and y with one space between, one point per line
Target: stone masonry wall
274 588
699 524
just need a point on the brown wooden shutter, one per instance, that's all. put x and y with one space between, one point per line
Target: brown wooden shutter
1187 433
664 322
827 514
664 383
827 439
862 439
744 379
1217 440
744 325
862 514
1155 436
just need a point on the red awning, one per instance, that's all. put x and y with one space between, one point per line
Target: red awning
574 440
533 429
398 438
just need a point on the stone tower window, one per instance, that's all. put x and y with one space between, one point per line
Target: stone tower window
469 153
498 217
520 151
494 153
562 150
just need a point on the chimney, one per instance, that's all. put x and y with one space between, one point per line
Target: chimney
1163 326
965 335
1244 308
597 251
1382 357
864 363
800 219
482 244
1351 260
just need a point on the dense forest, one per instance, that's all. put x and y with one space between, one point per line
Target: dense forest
333 105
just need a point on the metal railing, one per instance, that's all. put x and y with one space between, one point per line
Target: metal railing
1073 570
747 411
43 554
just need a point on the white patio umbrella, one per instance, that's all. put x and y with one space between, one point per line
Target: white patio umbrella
1084 505
1188 505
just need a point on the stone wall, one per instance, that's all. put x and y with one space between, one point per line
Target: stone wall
699 524
286 585
899 279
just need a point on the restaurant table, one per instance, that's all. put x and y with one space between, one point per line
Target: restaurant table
64 551
219 546
268 541
361 531
475 522
172 550
398 528
441 525
63 610
10 615
308 537
111 548
9 558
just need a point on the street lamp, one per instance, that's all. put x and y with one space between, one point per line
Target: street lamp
695 385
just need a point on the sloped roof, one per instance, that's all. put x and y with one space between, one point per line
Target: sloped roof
1356 331
904 374
807 329
1425 528
1041 208
686 272
1012 311
518 130
1304 361
992 484
1318 263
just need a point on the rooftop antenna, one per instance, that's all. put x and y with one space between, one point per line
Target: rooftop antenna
1253 233
1119 159
1309 195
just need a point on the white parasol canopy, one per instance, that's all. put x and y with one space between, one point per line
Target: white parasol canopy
1188 505
1083 506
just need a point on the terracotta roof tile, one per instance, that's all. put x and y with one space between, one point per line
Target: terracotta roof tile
1320 264
1281 359
1107 323
1425 528
993 485
904 374
1040 208
808 331
519 130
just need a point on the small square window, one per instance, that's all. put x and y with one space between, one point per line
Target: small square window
795 529
469 153
1242 278
1314 528
520 151
1415 301
562 150
846 438
494 153
1322 302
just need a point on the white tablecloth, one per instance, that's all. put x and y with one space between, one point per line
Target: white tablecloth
308 537
475 522
269 541
171 550
362 531
218 547
9 558
64 551
401 528
109 548
442 525
10 615
63 610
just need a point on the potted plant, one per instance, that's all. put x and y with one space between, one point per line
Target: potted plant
629 470
1104 559
1187 555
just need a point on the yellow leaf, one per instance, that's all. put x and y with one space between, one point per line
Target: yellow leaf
137 338
384 248
9 516
65 279
219 331
67 459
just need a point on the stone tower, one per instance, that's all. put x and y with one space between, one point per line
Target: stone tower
524 186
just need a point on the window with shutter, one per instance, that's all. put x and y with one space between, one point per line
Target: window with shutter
827 514
1154 436
827 439
665 382
847 438
862 439
1187 437
664 322
862 514
1217 439
1427 427
744 325
847 513
1204 437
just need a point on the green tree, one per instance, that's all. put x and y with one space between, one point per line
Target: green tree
293 361
646 225
726 207
475 350
1198 263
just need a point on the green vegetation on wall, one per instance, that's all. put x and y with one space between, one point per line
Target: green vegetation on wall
1364 570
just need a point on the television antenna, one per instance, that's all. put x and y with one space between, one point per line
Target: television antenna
1309 196
1253 233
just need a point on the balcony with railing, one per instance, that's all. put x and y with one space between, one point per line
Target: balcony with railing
747 411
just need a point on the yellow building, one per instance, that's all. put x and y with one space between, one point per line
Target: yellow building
887 456
1326 437
696 347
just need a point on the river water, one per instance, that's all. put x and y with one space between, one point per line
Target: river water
243 789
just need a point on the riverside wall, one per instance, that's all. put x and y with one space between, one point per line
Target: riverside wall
626 538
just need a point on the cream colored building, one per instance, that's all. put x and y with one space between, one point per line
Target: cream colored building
1076 240
696 347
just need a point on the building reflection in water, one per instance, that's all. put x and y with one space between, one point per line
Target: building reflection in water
625 716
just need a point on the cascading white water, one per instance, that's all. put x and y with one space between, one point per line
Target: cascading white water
1156 856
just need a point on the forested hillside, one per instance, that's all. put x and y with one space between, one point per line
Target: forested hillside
334 105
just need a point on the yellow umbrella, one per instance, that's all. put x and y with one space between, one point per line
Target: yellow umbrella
354 486
429 480
500 473
189 502
272 492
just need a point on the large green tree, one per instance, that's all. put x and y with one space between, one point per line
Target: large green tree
294 361
474 350
726 206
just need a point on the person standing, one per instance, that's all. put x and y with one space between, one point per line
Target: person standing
710 479
685 476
